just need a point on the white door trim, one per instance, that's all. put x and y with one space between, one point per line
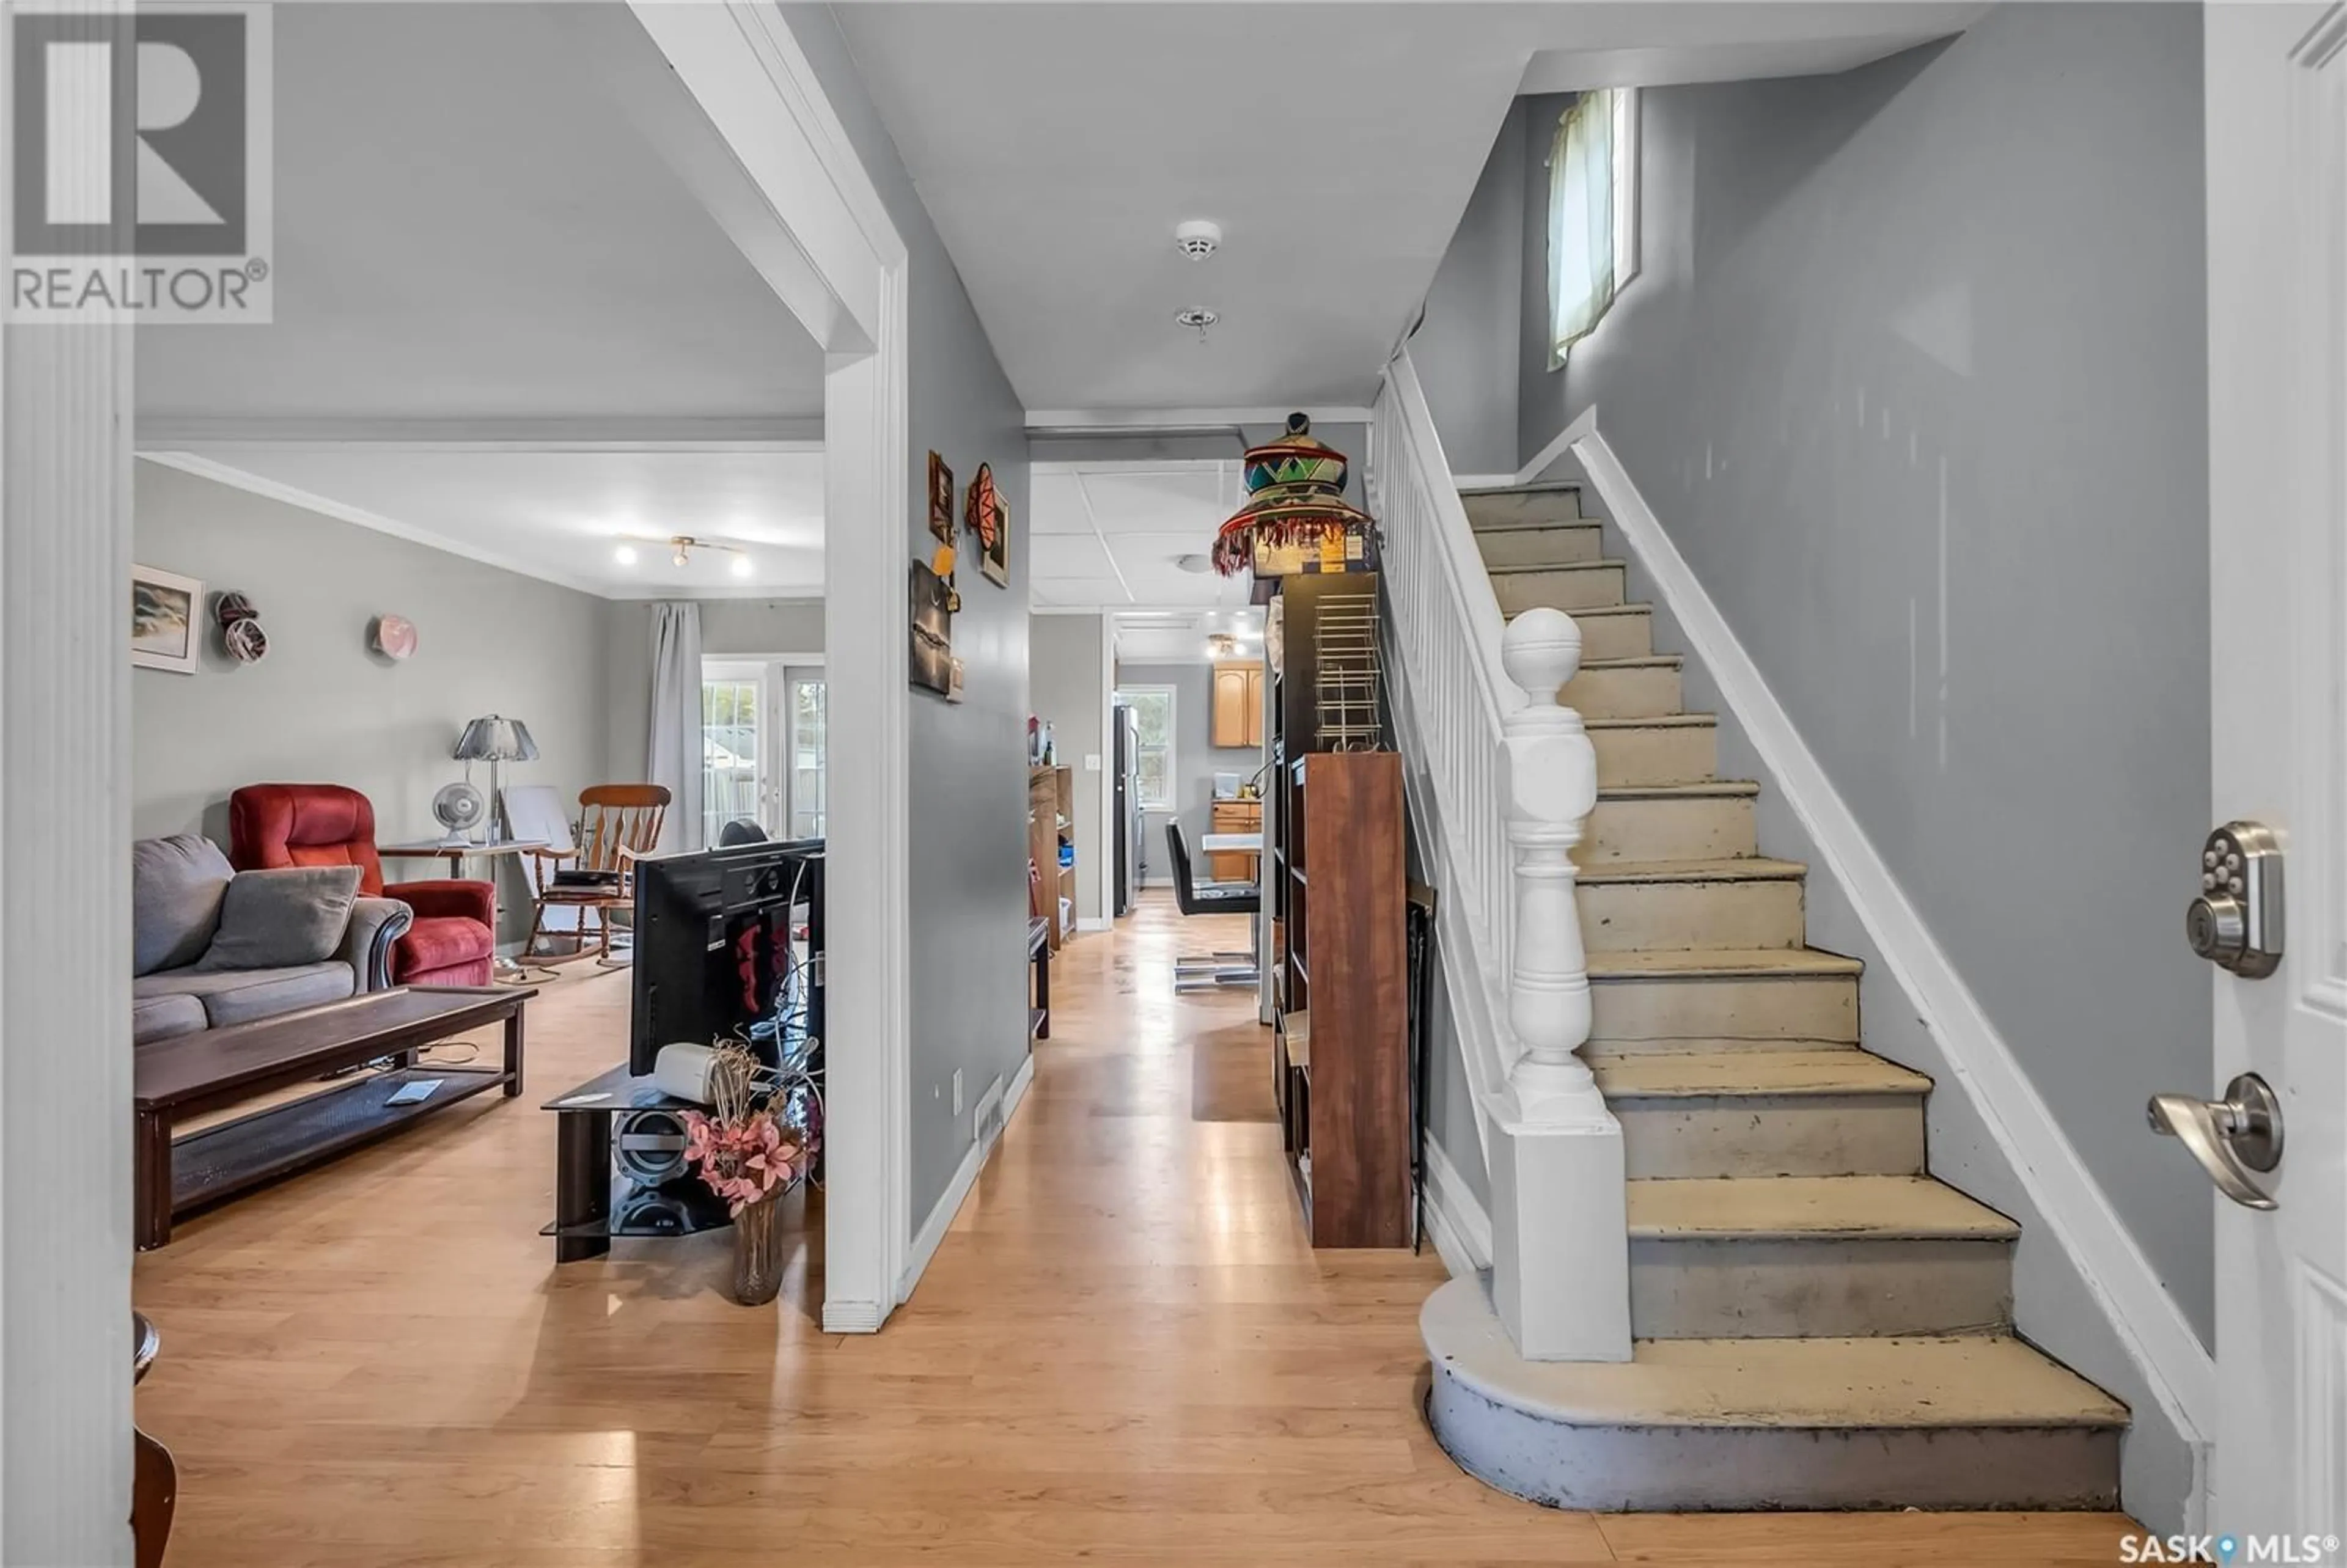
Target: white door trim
780 175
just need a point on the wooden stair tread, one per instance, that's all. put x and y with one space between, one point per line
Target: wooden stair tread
1608 563
1709 963
1645 661
1966 1380
1641 609
1691 789
1743 868
1732 1073
1655 721
1546 488
1881 1208
1532 525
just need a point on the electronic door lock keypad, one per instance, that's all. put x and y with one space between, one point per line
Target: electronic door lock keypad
2237 921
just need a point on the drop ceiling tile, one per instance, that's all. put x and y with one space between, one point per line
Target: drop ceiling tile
1056 505
1069 555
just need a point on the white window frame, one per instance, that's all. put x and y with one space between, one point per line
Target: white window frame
1624 213
1172 731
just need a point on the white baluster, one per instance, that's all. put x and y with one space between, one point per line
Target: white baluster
1561 1261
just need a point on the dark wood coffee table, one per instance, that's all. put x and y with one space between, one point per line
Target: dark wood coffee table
199 1072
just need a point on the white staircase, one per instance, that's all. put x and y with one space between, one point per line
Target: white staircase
1812 1320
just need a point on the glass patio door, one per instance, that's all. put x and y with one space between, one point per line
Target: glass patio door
762 747
803 699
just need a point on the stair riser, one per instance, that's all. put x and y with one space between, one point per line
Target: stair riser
1627 633
1532 506
1844 1286
1636 917
1637 693
1673 753
1654 1014
1579 588
1697 827
1772 1135
1541 546
1621 1469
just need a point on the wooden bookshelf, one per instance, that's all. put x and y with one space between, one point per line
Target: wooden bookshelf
1051 815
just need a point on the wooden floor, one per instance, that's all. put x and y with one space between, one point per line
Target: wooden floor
1123 1351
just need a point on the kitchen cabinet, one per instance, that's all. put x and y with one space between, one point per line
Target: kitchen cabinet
1238 703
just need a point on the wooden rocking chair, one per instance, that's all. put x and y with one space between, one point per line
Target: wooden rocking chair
616 823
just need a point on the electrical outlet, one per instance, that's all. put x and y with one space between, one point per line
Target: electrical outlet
957 1083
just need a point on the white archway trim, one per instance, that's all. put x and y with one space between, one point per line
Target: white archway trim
774 164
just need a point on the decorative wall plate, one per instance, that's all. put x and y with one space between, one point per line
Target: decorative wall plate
394 636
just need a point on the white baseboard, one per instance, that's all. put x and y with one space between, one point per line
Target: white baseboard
1093 923
853 1317
2149 1325
1456 1221
932 1233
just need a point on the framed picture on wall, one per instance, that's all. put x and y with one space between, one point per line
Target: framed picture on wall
163 623
989 517
941 498
932 652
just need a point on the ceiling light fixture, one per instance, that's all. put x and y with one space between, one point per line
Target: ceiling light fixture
679 548
1197 238
1198 317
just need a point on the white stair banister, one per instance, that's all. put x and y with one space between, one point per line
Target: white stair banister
1551 774
1503 779
1560 1224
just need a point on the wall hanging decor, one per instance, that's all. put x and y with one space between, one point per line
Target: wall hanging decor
932 654
988 515
163 611
394 636
241 631
1296 519
941 497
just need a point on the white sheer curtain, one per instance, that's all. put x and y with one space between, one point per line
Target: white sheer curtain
676 758
1581 221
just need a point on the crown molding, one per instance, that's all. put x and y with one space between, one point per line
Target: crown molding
724 432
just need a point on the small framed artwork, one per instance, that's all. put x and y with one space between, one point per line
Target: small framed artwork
932 653
941 498
988 515
163 622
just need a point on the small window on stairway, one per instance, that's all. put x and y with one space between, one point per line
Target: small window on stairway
1593 213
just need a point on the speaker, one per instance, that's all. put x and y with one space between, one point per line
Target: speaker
648 1146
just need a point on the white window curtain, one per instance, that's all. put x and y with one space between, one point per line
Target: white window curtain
676 744
1581 221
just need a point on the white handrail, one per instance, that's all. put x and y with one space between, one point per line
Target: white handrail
1446 621
1514 779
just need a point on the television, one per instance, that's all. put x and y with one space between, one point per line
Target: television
729 945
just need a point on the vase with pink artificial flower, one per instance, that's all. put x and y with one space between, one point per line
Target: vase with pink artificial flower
747 1158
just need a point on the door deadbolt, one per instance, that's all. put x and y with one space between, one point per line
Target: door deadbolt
2236 923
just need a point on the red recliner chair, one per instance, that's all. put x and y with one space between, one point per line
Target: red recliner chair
453 939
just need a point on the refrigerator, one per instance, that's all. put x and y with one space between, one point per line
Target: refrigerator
1131 841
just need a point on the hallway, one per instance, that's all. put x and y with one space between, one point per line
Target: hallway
1122 1350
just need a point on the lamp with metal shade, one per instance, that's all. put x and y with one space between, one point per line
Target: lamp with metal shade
494 739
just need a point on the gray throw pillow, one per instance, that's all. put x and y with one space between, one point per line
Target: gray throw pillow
277 919
176 883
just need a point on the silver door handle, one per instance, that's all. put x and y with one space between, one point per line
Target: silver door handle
2230 1137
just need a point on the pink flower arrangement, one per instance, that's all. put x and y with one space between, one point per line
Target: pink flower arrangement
742 1160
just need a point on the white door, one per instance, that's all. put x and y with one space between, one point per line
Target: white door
806 776
2277 192
737 743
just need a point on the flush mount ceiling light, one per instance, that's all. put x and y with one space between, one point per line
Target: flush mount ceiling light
1197 238
1222 645
1193 562
1196 317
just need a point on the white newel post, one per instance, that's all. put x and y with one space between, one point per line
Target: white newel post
1560 1226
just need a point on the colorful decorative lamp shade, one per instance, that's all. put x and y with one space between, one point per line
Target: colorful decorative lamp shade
494 739
1296 519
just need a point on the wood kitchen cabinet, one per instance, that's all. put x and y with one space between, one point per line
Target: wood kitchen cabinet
1234 816
1238 703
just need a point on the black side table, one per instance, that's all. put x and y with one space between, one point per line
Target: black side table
648 1194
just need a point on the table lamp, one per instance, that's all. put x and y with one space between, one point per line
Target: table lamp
494 739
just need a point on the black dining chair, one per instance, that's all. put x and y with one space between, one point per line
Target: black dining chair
1200 971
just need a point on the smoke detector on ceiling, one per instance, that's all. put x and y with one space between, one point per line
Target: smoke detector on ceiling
1197 238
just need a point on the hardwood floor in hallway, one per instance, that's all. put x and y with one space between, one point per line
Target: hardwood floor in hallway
1123 1351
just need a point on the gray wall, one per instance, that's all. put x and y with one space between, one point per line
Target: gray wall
1066 688
729 626
323 707
1196 759
1915 376
1471 321
968 851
